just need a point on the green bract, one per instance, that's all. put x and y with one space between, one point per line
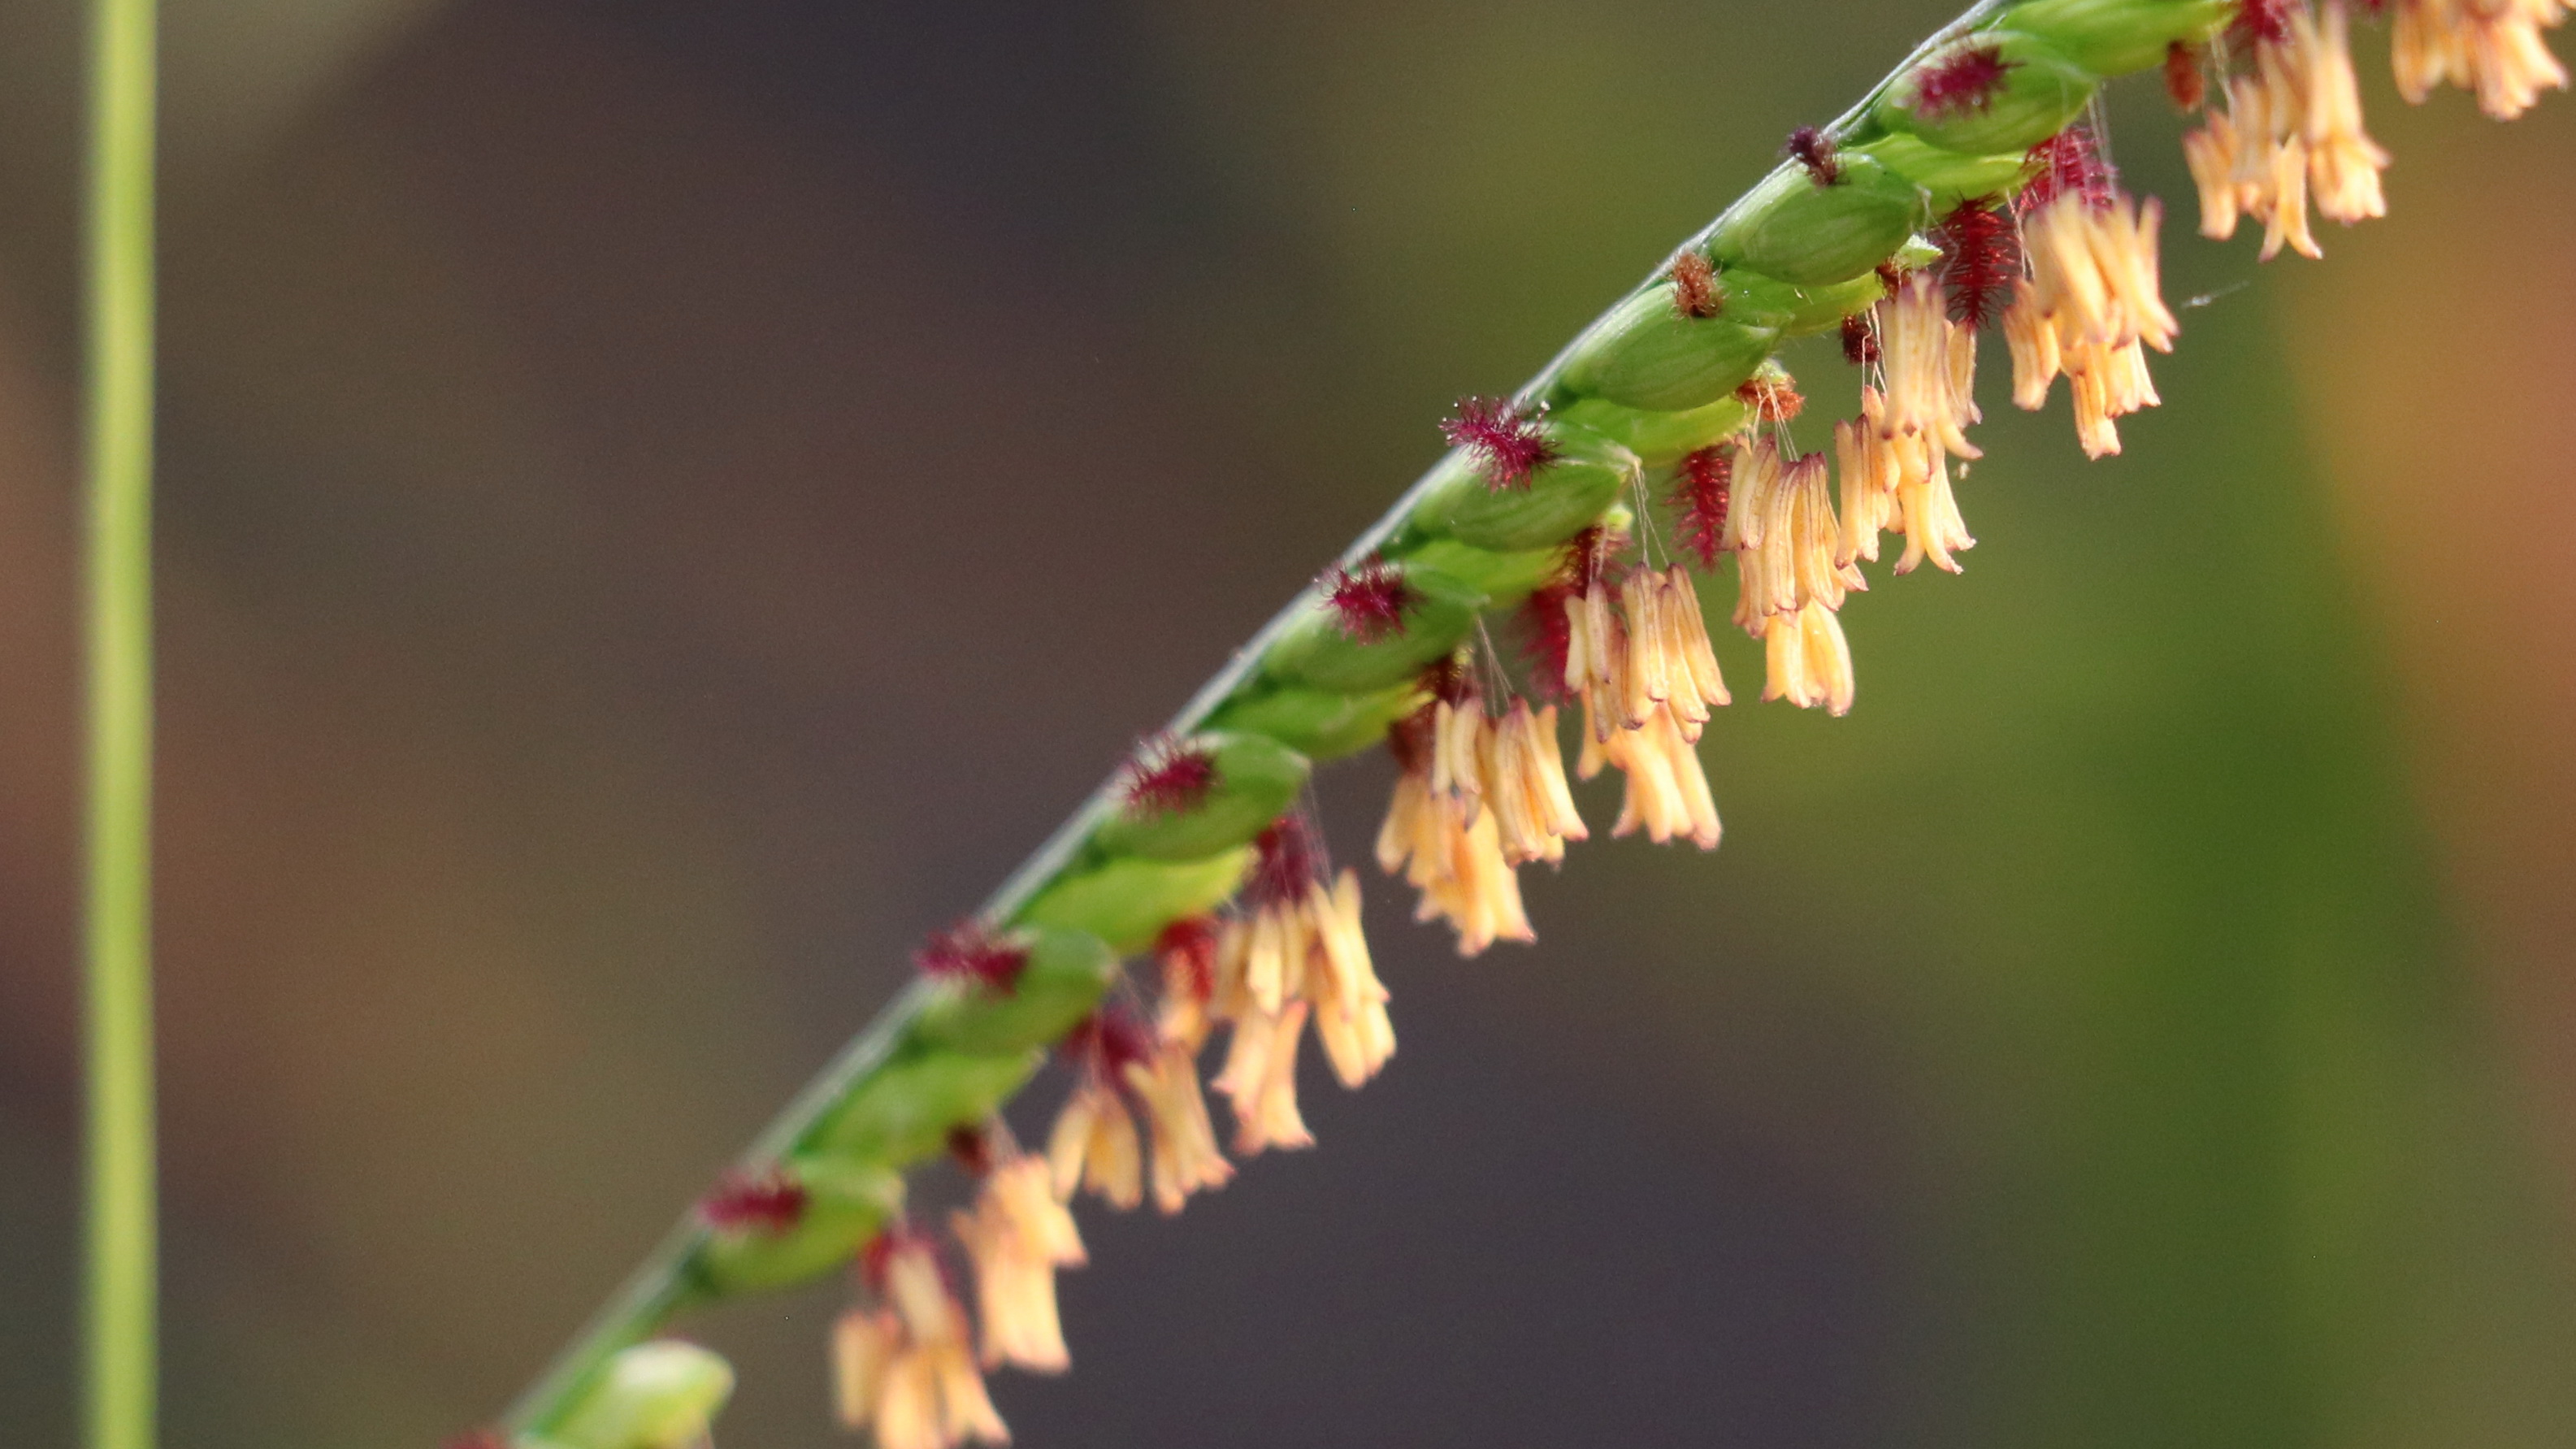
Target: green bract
902 1111
1657 438
1319 723
1504 578
1065 974
2114 37
1127 903
1797 231
2039 92
657 1395
845 1203
1650 354
1794 310
1314 651
1256 778
1948 177
1557 502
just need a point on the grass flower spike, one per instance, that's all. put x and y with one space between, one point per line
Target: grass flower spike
1970 190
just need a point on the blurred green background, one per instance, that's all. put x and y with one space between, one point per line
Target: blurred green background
664 501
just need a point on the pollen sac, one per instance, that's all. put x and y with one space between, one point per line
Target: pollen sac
1315 650
1561 499
843 1204
1066 972
1989 92
1796 311
1657 438
1254 778
657 1395
904 1110
1317 723
1792 229
1127 902
1650 352
2115 37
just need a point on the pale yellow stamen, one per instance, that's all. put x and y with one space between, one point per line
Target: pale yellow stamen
1809 661
1667 793
1186 1159
1094 1145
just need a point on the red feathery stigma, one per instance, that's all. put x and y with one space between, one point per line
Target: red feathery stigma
1547 634
1590 557
1107 1042
1369 603
1701 486
2183 80
968 952
1287 857
2261 22
1509 443
1814 150
1961 84
1410 740
1860 345
769 1202
1980 259
2067 163
880 1251
1695 292
1450 680
1187 949
973 1149
1773 397
1168 777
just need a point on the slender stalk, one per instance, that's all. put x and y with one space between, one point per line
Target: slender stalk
121 1294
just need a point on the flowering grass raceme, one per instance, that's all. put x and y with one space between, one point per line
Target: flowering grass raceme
1971 190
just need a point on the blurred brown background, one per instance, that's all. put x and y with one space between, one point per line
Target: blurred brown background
664 501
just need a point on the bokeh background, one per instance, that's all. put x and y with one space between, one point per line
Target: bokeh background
663 501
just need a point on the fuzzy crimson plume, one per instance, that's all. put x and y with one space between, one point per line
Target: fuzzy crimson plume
972 1146
768 1202
1368 603
1772 399
1508 442
1107 1042
1547 635
1860 345
1695 291
1701 486
2183 80
1411 740
2068 163
2261 22
1962 83
1187 949
968 952
1286 858
1814 150
1980 259
1168 777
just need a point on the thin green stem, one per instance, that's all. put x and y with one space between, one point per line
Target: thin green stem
122 1254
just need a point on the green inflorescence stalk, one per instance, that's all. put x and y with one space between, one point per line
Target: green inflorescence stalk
120 1295
1644 385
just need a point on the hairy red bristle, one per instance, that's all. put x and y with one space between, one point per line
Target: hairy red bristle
1368 603
1187 949
1286 858
1701 487
1591 556
1169 777
1547 635
1107 1042
2262 22
2183 80
1980 260
1410 740
1695 292
1963 83
1510 444
1814 150
1860 344
770 1202
973 1148
2068 163
1450 680
1773 398
968 952
879 1252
